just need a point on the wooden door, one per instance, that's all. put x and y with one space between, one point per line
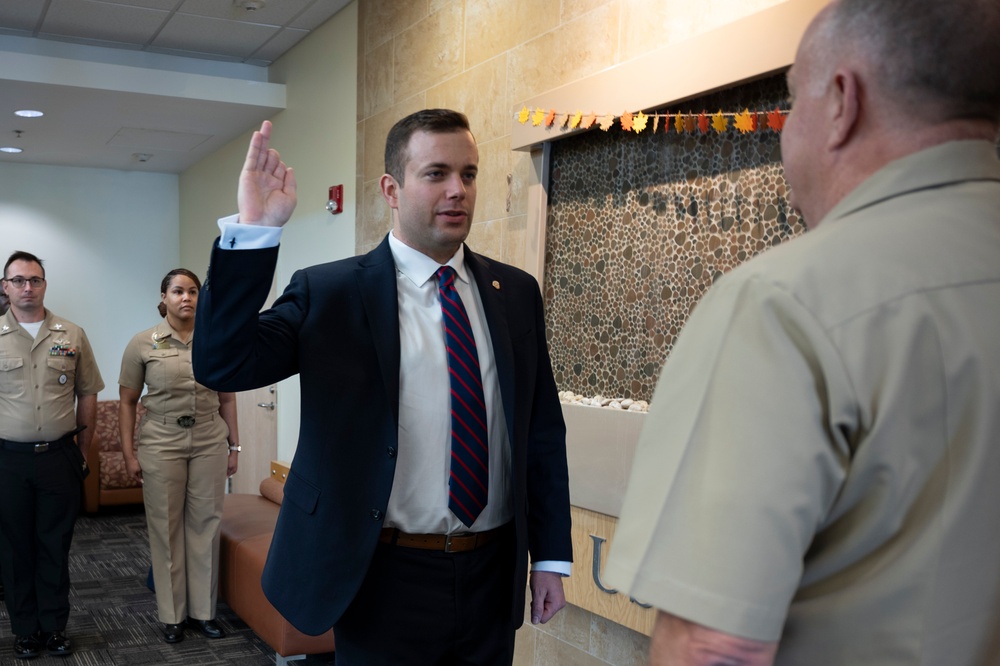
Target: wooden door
258 424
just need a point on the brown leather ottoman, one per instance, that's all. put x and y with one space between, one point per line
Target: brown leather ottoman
247 527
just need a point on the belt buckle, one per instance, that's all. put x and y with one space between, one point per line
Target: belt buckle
186 421
41 447
447 544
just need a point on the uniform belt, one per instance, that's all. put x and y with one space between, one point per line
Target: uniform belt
449 543
39 447
184 421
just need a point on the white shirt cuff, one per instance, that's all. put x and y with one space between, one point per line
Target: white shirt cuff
554 566
236 236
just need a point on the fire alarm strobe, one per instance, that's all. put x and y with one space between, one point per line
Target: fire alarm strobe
335 202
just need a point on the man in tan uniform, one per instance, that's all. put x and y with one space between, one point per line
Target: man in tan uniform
46 365
818 480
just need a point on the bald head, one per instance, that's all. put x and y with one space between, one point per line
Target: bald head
937 58
933 61
876 80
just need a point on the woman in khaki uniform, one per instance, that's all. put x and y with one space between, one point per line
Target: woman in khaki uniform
188 445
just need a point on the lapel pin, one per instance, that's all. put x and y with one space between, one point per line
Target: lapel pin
496 285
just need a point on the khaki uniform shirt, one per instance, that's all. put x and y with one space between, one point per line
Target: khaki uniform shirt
158 359
41 377
821 461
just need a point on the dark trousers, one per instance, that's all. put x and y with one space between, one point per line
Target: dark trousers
40 496
428 608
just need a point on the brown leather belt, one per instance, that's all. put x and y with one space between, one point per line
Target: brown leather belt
449 543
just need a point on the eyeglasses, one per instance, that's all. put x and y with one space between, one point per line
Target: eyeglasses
19 282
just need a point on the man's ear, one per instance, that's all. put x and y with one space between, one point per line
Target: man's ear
845 107
390 190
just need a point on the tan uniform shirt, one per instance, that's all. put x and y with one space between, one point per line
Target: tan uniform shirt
821 459
41 377
157 359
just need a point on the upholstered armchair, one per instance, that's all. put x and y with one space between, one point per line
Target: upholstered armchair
109 482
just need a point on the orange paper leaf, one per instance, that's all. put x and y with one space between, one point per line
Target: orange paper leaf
719 122
775 120
607 121
627 121
639 122
574 120
691 124
703 122
744 121
679 123
761 121
588 121
550 117
537 117
522 116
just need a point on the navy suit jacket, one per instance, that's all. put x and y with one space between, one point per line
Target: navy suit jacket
337 327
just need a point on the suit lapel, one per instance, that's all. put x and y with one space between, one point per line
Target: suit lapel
495 309
376 277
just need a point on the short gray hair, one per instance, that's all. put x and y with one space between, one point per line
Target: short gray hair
942 57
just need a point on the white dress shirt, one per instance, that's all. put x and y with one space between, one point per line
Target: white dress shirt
419 499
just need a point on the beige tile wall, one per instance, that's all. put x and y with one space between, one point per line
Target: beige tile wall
485 58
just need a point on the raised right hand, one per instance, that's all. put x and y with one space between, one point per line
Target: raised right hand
266 193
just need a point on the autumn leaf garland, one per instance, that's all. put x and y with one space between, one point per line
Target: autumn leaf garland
744 122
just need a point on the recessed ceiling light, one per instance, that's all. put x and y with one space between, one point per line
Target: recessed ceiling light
10 149
29 113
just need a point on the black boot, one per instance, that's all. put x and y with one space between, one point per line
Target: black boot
173 633
58 644
27 647
207 627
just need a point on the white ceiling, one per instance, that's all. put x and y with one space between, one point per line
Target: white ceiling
173 80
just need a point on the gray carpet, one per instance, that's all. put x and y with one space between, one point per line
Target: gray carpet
113 619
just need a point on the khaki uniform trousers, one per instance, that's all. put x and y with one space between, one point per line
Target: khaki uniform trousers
184 483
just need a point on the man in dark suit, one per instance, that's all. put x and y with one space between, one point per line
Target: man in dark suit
413 551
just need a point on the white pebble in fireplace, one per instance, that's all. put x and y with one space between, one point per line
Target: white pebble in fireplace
627 404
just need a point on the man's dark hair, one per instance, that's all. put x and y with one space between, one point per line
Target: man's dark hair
435 121
21 255
940 57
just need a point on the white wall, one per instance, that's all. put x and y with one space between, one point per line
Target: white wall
315 134
106 238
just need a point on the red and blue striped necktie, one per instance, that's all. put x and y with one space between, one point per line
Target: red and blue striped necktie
469 475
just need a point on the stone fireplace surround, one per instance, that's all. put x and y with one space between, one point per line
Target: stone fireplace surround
626 231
